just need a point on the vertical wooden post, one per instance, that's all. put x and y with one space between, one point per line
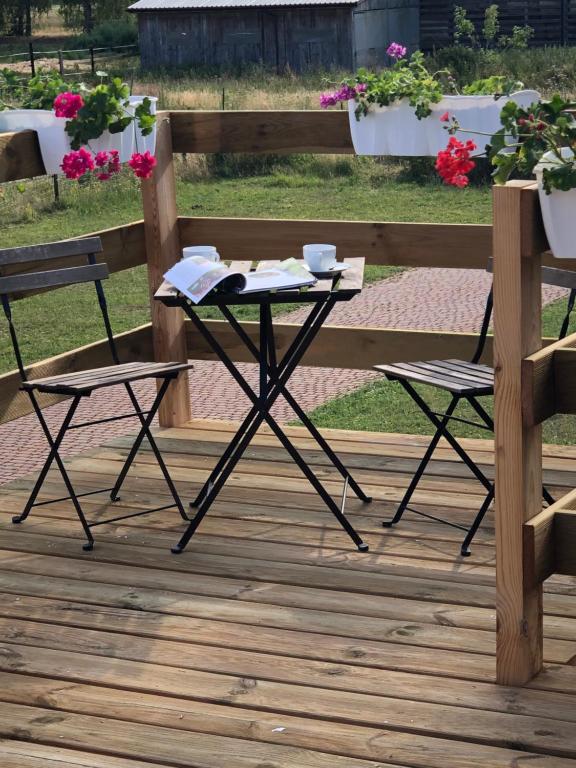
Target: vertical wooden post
162 252
32 61
517 330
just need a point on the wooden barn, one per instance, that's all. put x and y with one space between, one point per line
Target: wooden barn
281 34
322 34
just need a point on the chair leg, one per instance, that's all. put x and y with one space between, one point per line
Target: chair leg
465 548
423 464
54 455
454 444
145 422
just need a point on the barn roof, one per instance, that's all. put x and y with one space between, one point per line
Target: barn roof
182 5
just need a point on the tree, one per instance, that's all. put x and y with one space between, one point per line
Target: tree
17 16
83 15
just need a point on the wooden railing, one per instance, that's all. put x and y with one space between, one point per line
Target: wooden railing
534 377
156 242
531 385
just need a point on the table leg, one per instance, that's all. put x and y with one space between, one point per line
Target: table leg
262 404
322 442
292 402
254 410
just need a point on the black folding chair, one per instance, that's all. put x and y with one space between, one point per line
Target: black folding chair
465 381
82 384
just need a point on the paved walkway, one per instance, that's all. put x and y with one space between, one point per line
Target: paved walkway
437 299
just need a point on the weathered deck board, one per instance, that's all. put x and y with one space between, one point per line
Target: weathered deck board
270 641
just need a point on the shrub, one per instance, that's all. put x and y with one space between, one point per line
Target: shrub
109 34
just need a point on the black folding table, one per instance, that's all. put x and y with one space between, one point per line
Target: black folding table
273 381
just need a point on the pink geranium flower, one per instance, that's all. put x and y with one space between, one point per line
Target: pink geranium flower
142 164
68 105
328 100
345 93
396 51
77 163
445 117
107 163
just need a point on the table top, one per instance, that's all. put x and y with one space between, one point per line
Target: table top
341 288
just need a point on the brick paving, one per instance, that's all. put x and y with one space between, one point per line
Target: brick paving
436 299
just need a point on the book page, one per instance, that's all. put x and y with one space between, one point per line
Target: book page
270 276
196 277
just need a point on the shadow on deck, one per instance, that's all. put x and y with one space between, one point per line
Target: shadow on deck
271 642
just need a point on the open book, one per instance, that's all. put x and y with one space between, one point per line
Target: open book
196 277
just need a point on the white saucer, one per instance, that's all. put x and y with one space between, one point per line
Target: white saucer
334 271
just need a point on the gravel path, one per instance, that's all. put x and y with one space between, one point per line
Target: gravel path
436 299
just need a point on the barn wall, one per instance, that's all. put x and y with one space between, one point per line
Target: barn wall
379 22
554 21
298 38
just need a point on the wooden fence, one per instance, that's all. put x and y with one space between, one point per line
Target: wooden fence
93 55
534 377
531 385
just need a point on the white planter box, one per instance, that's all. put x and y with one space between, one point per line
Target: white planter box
55 143
558 214
144 143
395 130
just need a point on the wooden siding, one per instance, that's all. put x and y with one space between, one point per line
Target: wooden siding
294 38
553 21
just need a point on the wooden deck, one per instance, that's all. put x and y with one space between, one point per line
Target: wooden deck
271 643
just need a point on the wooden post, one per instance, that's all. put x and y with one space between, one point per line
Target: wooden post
162 252
32 61
517 330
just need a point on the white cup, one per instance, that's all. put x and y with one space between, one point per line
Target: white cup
320 257
208 252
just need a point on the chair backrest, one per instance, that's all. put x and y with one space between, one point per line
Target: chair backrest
562 278
21 281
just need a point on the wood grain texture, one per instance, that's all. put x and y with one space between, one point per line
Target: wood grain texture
517 319
85 382
550 539
20 156
341 346
50 251
279 132
52 278
163 250
396 244
269 642
549 381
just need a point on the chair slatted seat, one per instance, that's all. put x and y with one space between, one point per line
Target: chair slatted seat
81 384
464 380
451 375
89 381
